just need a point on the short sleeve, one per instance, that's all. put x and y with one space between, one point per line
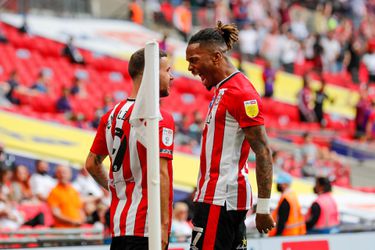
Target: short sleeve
52 200
246 107
166 136
99 146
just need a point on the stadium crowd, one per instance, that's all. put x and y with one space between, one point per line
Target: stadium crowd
31 197
36 197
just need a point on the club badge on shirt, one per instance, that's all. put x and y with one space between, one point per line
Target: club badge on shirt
251 108
167 137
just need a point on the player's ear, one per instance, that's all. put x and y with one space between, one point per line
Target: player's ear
217 56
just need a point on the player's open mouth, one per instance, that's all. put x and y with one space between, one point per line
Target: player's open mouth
203 79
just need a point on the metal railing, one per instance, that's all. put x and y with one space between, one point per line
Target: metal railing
51 237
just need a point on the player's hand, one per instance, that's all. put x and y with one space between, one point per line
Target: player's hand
264 223
164 237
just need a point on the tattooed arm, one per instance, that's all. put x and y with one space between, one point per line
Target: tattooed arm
258 140
95 167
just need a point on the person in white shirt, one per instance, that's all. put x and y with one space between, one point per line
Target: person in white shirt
40 182
86 185
289 52
248 37
331 51
369 61
181 229
91 195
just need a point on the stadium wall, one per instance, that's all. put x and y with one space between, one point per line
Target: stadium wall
360 241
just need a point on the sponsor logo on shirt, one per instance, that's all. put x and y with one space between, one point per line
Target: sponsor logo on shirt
251 108
167 137
166 151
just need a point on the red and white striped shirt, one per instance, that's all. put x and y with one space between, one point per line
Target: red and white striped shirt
128 173
222 178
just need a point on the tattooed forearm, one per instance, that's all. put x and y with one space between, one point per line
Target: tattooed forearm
97 171
257 138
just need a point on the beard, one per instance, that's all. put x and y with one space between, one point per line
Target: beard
43 172
163 93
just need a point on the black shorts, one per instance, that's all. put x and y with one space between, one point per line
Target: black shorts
129 243
215 228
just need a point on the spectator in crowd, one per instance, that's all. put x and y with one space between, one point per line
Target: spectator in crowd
20 187
98 115
41 182
189 202
13 86
5 183
10 218
318 54
86 185
151 9
239 11
308 48
90 193
163 42
355 52
309 153
289 51
182 19
298 27
196 128
166 9
108 104
72 53
41 83
288 213
371 123
362 114
78 88
323 215
64 200
183 124
221 11
248 37
4 88
369 61
306 112
3 164
331 51
271 47
24 28
277 161
269 80
320 98
181 229
63 103
135 12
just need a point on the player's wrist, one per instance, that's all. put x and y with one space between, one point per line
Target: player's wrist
263 206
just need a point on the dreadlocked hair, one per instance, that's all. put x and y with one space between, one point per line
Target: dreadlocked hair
229 32
222 35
